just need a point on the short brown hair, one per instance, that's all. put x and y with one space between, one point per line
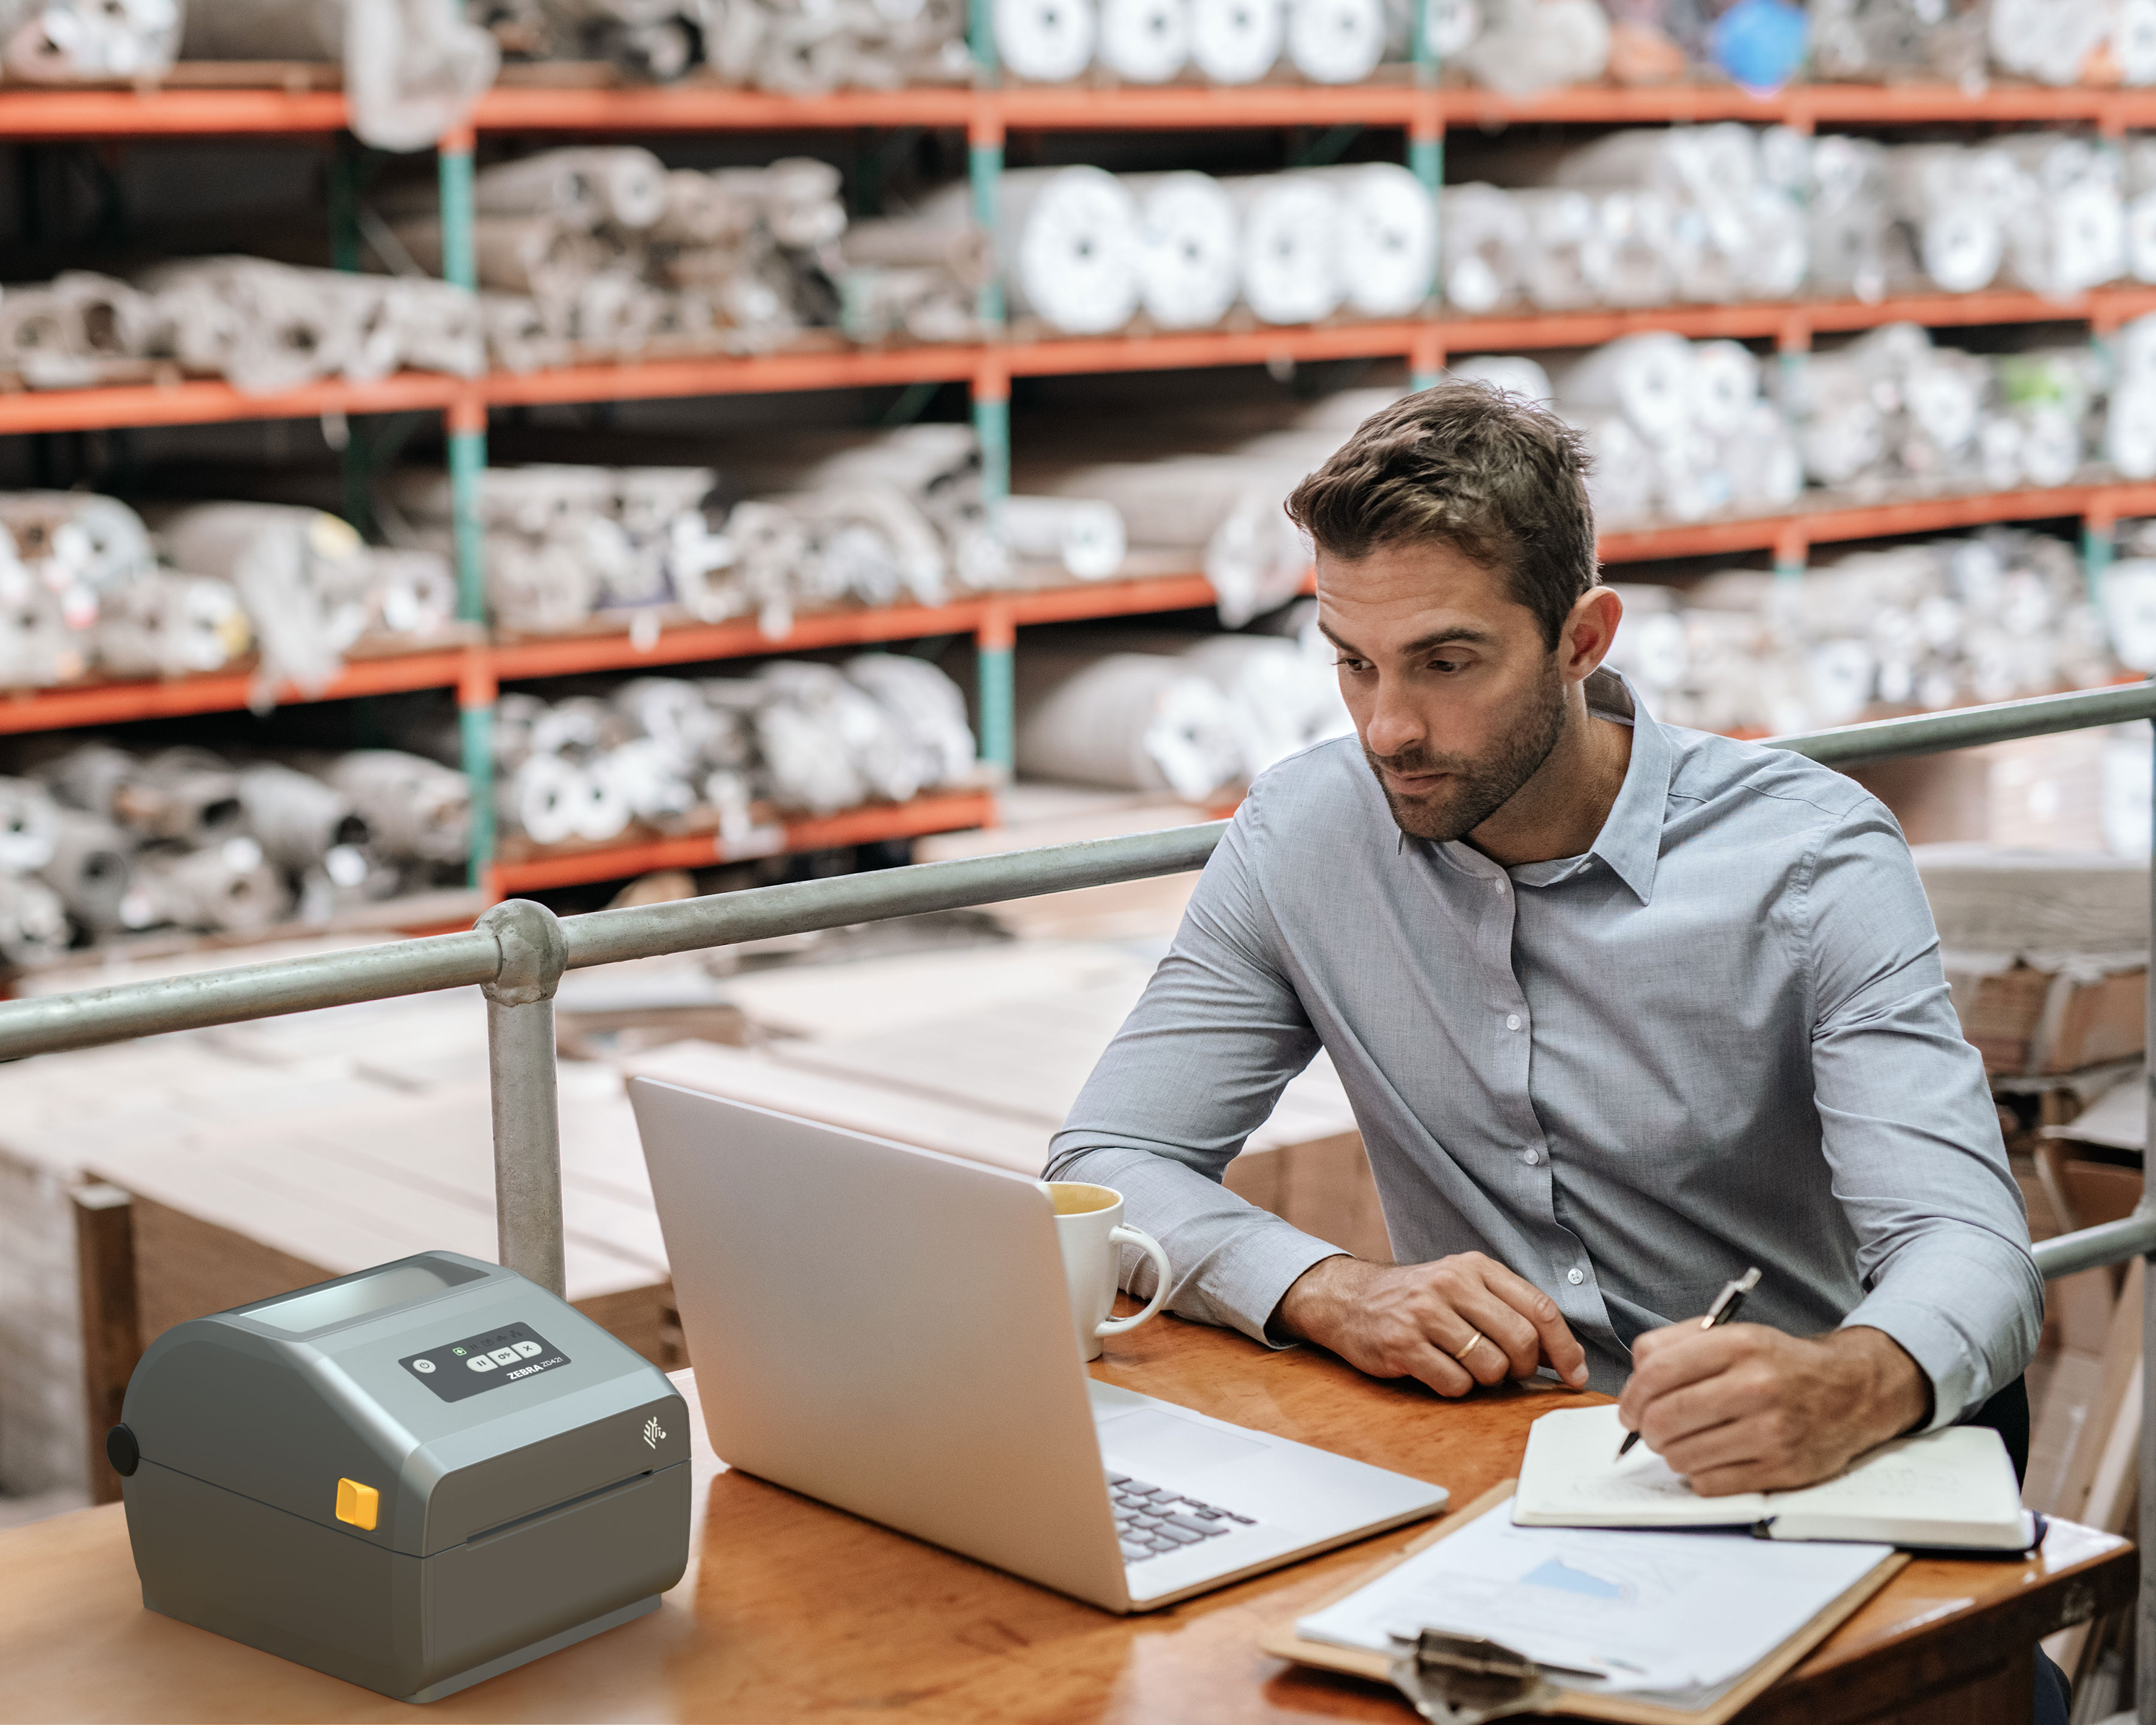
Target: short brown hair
1501 479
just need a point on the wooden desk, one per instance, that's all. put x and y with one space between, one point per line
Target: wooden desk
792 1611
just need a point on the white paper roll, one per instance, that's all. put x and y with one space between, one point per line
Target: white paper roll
1564 260
1290 245
2129 432
1650 378
618 183
1336 41
1485 231
1386 236
1725 386
2134 41
1145 41
1137 720
1190 257
1236 41
1049 41
1074 238
1084 534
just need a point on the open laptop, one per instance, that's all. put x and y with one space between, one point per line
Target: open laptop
888 1329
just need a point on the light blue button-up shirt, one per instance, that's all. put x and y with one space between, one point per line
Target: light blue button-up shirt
1720 1038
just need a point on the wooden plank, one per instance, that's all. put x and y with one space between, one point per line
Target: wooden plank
112 1327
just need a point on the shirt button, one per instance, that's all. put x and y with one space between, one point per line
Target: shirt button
1575 1276
1512 1021
1534 1157
1498 885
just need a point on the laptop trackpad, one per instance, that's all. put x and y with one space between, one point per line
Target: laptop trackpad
1154 1437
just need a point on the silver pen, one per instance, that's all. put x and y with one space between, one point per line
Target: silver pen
1727 1305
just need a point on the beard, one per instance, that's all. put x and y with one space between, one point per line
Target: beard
1475 789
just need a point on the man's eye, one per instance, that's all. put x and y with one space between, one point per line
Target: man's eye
1352 665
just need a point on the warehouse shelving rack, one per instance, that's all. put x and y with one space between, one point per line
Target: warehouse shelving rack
1412 101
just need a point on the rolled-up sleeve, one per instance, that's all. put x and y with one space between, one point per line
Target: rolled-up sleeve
1196 1068
1908 1127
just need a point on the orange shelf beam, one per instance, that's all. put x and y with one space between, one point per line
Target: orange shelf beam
835 367
218 693
49 116
947 813
697 106
208 402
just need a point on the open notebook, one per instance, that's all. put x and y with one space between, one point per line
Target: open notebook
1954 1488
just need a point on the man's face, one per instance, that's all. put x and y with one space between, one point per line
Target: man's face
1455 696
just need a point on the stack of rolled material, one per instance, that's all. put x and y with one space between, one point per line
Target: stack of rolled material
678 756
263 326
1949 623
1192 715
89 41
1220 41
1085 251
97 841
619 255
413 69
563 542
1893 407
1677 430
84 584
782 45
1643 217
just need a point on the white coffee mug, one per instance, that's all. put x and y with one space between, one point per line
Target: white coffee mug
1089 1227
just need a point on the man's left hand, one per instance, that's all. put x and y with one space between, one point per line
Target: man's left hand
1744 1408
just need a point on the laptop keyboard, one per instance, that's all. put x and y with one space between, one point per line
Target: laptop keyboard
1150 1519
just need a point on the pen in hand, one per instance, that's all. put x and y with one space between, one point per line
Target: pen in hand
1725 1307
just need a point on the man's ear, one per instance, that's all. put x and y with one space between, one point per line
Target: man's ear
1589 628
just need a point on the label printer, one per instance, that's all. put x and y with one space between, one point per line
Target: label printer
412 1478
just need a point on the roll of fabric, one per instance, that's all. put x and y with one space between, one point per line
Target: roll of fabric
1190 269
169 625
1047 41
1650 378
295 818
1130 720
413 807
90 870
1336 41
1084 534
89 41
543 799
1515 376
2049 40
2068 232
302 574
1527 45
1285 694
586 185
1386 233
1563 256
228 887
1074 248
1237 41
1144 41
1291 242
29 826
32 922
181 796
928 709
1485 235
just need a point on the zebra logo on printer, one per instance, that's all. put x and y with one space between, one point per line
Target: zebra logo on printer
652 1431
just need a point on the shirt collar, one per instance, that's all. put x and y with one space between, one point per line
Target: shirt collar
1631 841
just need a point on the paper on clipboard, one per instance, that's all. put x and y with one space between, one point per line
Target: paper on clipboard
1675 1617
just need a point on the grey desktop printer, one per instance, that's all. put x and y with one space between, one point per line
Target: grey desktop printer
412 1478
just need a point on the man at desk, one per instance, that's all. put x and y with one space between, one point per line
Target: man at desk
1622 1009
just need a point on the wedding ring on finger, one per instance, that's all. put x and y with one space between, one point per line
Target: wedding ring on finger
1475 1338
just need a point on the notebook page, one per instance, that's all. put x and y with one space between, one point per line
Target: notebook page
1950 1487
1571 1477
1674 1615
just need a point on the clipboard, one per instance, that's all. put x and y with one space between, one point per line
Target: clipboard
1284 1643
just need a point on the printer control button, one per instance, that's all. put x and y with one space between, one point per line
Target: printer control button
528 1350
481 1363
503 1356
425 1366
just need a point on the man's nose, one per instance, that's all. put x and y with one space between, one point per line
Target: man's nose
1394 725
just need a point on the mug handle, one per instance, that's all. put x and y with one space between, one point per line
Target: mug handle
1120 1235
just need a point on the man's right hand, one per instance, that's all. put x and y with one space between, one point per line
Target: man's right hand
1417 1320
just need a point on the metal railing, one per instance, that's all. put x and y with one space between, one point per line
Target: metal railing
517 952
